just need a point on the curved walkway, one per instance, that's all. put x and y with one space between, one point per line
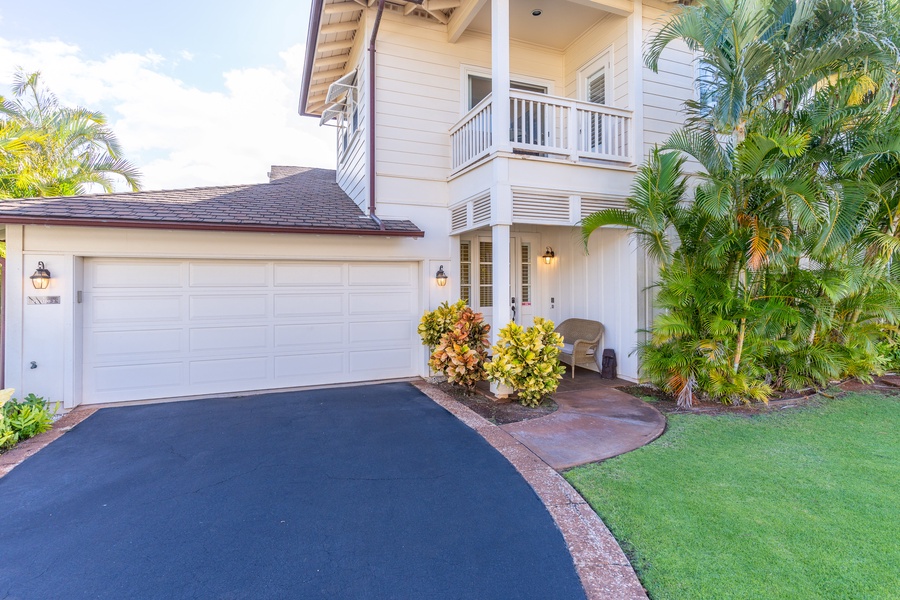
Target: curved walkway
605 571
591 424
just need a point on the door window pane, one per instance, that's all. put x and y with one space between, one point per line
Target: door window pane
526 274
485 274
465 272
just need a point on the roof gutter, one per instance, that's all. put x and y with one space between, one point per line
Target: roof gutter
200 226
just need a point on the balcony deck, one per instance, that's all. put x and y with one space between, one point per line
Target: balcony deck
548 126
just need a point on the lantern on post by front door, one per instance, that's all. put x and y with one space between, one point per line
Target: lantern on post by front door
41 278
440 277
548 255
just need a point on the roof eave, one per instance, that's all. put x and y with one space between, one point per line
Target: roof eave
312 36
200 226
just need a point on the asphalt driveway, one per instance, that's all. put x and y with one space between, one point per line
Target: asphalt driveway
364 492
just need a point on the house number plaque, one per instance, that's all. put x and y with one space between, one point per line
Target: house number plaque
43 300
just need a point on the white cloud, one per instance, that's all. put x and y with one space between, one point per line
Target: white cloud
184 136
186 55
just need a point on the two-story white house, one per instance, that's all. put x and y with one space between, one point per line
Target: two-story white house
498 125
472 137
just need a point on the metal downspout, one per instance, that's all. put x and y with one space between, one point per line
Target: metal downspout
372 115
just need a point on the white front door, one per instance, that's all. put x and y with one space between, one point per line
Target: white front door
478 286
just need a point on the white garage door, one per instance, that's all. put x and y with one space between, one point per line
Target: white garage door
157 328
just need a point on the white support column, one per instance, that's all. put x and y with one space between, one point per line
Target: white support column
500 75
501 222
635 26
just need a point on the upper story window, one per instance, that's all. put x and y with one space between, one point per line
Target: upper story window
348 122
596 86
595 80
480 88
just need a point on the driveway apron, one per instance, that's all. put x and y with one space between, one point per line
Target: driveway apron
363 492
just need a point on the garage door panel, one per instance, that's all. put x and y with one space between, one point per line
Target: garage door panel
146 376
228 275
380 360
380 303
309 305
381 274
229 369
228 338
114 344
218 326
383 332
132 274
229 307
309 335
295 369
306 275
135 309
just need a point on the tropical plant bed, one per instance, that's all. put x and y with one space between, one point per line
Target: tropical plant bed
794 503
666 403
498 412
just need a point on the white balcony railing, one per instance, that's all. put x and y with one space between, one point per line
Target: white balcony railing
548 126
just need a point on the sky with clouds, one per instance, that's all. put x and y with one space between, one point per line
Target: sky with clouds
199 92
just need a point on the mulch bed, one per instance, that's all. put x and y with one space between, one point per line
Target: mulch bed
498 412
665 403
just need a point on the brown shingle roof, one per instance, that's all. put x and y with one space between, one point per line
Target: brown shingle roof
299 200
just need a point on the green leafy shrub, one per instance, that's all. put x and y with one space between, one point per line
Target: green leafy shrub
462 351
889 352
527 360
437 322
22 420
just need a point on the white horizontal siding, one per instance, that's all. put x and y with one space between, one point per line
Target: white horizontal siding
665 91
420 91
609 33
352 167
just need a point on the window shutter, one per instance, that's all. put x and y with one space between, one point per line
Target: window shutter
597 87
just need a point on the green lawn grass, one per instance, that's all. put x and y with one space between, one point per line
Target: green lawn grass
799 504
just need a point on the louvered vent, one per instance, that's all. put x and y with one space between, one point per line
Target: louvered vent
481 210
533 207
592 205
458 217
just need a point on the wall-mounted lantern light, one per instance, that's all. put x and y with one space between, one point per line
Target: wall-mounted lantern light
41 278
440 277
548 255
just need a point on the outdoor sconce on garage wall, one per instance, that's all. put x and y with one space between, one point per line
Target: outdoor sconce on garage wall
41 278
548 255
440 277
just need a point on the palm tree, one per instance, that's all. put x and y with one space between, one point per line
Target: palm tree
777 276
51 150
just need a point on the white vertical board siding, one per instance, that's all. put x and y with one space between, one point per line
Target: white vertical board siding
156 328
665 92
612 287
608 34
419 92
600 284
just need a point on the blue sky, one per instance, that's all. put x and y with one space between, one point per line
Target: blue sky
199 92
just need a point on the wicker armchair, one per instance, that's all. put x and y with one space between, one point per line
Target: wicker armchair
581 342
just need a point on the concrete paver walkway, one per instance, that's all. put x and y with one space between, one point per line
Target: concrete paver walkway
594 422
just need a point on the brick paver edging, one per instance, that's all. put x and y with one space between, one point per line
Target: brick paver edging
14 457
602 566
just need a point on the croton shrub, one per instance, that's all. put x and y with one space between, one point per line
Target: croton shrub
527 360
435 323
462 351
